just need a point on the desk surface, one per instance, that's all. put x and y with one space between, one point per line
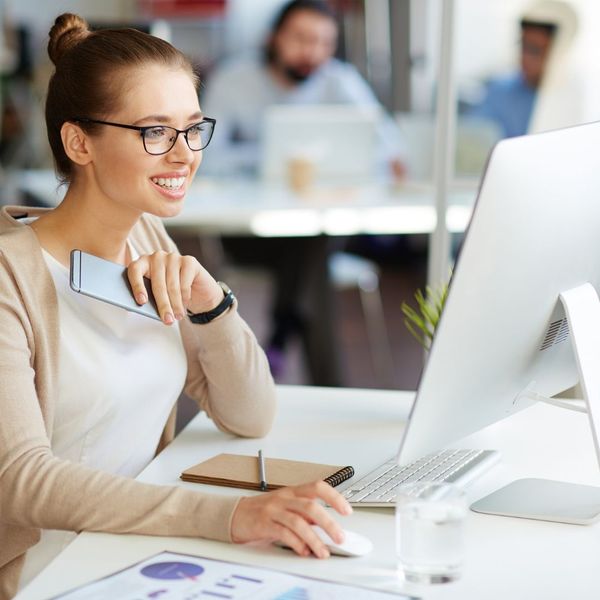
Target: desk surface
250 206
506 558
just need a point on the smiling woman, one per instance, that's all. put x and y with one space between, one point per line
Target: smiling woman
88 390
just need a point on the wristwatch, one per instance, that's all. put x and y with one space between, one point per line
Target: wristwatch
208 316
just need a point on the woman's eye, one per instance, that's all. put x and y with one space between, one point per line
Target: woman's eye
156 133
196 130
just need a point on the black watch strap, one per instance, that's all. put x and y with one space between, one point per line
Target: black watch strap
210 315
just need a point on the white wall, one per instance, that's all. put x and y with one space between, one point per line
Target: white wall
487 36
40 14
248 23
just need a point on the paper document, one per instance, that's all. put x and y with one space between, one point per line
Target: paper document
170 576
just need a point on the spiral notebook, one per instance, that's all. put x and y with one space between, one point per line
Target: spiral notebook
240 471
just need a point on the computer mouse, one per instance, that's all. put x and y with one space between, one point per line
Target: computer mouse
354 544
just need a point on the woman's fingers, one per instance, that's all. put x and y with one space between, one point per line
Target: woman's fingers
154 267
313 513
158 281
288 538
290 511
172 271
177 283
322 490
135 273
187 275
302 529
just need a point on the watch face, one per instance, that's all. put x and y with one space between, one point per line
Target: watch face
224 287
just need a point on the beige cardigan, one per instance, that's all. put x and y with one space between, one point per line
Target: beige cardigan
228 376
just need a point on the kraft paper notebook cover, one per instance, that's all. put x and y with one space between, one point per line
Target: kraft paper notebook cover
236 470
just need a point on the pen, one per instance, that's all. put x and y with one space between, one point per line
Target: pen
261 472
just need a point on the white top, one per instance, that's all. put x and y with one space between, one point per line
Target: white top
238 94
120 375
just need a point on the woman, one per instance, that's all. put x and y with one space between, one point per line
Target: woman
87 388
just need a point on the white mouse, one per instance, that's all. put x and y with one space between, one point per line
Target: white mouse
354 544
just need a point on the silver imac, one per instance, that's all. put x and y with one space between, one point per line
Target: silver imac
522 318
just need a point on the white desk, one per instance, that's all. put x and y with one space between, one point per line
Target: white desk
506 558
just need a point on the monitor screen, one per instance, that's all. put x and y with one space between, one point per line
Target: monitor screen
535 233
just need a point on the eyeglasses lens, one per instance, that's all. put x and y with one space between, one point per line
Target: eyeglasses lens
159 140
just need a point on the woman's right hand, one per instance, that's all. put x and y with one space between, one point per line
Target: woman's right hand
286 516
179 283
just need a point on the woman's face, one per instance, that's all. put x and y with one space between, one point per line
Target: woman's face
123 171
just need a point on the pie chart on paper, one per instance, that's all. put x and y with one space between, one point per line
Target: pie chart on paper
172 570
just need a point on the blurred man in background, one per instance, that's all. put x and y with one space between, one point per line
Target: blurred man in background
297 66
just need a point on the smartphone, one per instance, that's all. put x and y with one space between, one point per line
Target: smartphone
107 281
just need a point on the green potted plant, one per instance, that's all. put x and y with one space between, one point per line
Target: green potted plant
423 320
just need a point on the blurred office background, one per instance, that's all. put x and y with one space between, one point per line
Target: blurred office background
395 45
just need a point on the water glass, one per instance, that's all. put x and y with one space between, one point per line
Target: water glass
430 531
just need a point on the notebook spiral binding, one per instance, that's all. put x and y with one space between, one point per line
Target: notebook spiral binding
339 476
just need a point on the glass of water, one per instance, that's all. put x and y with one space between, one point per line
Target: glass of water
430 531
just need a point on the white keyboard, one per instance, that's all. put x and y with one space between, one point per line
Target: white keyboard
378 488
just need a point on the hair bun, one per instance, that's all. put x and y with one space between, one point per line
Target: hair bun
68 30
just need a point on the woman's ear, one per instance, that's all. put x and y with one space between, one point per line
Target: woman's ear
76 143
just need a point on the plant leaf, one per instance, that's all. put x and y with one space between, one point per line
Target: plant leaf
422 321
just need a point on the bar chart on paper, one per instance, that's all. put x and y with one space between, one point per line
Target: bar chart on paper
171 576
296 593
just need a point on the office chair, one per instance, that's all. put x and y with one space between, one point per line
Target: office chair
349 271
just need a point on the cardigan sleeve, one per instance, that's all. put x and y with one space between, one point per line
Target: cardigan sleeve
228 372
38 490
228 375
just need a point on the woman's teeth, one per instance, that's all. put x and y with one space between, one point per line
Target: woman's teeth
170 183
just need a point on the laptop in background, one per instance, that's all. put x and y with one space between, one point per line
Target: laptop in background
340 141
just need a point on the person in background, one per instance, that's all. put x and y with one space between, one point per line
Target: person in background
509 101
297 67
88 389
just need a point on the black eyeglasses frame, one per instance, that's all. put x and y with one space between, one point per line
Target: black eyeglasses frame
145 128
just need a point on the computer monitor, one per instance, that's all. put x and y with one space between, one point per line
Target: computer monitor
503 336
340 140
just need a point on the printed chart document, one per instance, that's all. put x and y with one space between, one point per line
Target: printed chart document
170 576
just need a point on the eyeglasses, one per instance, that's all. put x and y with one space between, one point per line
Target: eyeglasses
159 139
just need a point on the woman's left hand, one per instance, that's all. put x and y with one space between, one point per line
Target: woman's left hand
179 283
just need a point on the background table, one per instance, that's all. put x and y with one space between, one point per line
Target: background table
235 206
506 557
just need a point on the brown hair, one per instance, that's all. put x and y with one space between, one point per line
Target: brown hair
86 83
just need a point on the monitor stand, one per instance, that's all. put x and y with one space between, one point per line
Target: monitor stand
556 500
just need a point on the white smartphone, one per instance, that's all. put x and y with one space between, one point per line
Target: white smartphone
107 281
